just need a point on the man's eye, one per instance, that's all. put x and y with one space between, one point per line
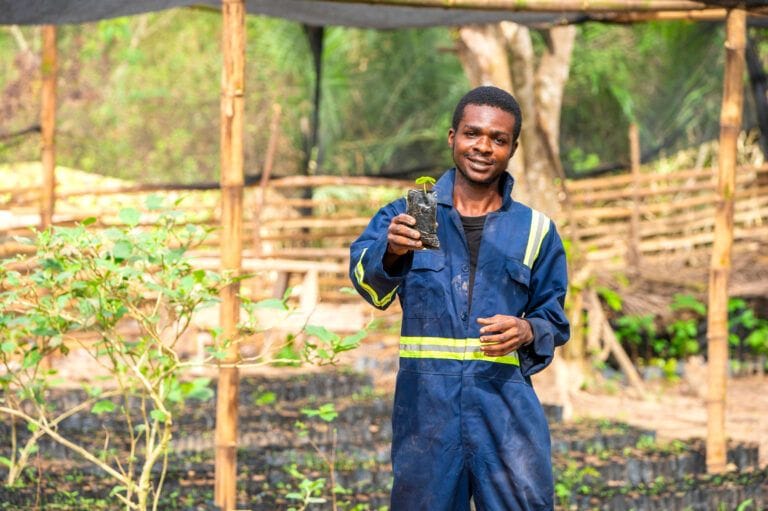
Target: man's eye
501 141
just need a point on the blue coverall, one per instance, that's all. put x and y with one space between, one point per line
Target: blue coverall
466 424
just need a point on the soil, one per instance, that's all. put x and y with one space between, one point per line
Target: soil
270 441
673 410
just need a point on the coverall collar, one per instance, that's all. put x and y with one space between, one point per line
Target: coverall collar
444 189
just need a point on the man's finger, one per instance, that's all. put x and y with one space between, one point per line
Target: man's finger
495 339
404 219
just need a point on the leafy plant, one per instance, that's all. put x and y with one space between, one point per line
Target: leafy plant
683 338
84 286
573 479
80 291
744 323
312 490
634 329
682 302
611 297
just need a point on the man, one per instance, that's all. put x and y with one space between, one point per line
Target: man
480 316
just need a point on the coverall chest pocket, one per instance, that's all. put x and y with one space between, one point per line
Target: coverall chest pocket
424 294
518 285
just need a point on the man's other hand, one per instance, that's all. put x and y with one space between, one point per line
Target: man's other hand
501 335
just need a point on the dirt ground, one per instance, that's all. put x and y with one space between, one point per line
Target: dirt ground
673 410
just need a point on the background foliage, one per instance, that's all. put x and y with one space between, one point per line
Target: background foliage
139 96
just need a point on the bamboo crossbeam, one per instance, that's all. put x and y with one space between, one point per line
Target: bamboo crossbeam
626 178
309 181
661 190
617 6
326 202
316 223
606 196
257 265
693 15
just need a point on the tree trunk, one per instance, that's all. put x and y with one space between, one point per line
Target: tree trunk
503 55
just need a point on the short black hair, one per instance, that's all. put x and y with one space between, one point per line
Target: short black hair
491 96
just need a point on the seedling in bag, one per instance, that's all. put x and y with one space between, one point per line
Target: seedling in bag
422 205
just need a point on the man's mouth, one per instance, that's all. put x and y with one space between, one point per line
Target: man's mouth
480 164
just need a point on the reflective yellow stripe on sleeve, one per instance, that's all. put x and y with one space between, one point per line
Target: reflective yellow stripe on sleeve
360 275
450 349
539 228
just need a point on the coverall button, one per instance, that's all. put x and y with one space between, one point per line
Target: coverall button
463 316
465 268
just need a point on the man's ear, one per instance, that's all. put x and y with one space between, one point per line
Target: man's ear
451 135
513 149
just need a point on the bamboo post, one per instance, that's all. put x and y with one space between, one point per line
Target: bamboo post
232 107
633 254
717 319
48 126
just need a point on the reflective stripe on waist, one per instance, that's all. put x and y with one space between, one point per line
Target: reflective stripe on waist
450 349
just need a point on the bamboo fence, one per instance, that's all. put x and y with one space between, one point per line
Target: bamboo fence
665 219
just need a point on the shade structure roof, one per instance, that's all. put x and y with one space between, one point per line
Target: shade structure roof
380 15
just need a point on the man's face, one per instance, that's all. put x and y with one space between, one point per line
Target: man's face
482 143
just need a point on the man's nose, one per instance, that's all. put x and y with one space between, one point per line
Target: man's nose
483 144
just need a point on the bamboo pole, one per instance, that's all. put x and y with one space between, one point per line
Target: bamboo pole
633 254
717 319
232 109
48 126
618 6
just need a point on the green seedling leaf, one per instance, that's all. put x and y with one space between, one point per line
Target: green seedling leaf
688 302
31 358
158 415
154 202
270 303
89 221
8 346
611 297
117 489
5 461
425 180
129 216
267 398
199 389
104 406
321 333
352 341
122 249
326 412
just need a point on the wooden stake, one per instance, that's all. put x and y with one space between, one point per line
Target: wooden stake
633 254
613 344
232 107
48 126
266 172
717 319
